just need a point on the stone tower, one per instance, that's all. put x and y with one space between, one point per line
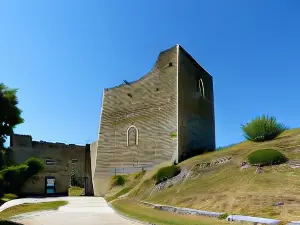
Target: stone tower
167 115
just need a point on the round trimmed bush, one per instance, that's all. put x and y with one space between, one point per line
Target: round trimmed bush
34 166
266 157
166 173
263 128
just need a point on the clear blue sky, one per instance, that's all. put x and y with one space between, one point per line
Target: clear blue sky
61 54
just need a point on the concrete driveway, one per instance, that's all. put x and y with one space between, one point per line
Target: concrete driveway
80 210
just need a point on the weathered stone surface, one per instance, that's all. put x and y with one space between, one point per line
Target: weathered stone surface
139 119
23 148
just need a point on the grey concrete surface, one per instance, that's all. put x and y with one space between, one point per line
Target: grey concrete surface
79 211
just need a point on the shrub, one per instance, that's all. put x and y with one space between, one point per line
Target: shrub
166 173
16 176
266 157
263 128
118 180
174 134
34 166
223 216
77 181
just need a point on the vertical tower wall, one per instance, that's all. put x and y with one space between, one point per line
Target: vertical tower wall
196 121
148 107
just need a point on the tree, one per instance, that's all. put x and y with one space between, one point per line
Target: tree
10 114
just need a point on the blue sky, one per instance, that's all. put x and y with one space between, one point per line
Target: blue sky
61 54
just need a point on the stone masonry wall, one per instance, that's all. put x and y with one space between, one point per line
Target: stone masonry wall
93 153
196 120
150 105
23 148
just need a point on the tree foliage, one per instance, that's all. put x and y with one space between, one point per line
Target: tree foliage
10 114
263 128
16 176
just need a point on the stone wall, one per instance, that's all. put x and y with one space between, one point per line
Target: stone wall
149 111
88 185
93 152
23 148
149 105
196 120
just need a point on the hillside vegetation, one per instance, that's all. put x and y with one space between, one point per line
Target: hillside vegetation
228 188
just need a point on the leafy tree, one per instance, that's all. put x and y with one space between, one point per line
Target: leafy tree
10 114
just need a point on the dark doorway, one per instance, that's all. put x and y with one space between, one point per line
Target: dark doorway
50 185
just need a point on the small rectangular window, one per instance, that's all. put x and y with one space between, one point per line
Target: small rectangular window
50 162
74 160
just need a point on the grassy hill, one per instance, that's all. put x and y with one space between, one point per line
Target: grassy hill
227 188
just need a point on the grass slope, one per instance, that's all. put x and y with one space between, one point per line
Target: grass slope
134 210
227 188
25 208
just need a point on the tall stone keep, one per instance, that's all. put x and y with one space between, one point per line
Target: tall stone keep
167 115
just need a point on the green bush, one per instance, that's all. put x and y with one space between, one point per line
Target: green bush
263 128
16 176
118 180
223 216
34 166
166 173
266 157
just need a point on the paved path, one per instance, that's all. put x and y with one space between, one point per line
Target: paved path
79 211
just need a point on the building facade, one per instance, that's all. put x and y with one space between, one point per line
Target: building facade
167 115
61 161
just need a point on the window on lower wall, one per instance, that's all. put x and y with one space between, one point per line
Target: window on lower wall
132 135
50 162
74 160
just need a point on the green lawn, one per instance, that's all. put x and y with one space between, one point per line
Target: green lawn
118 194
134 210
25 208
6 198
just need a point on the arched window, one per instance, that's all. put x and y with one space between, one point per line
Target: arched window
201 87
132 135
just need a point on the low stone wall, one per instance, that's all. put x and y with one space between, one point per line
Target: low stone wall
238 218
255 220
184 174
170 182
182 210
